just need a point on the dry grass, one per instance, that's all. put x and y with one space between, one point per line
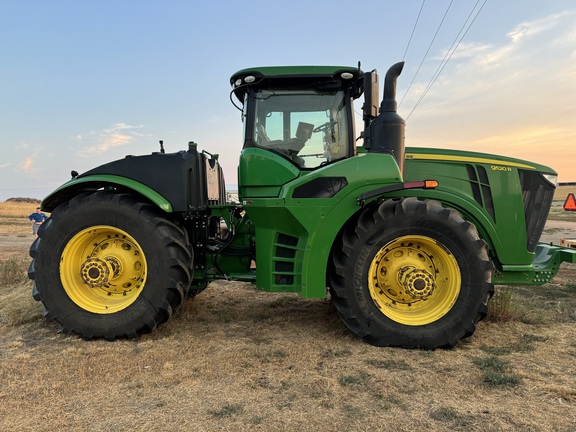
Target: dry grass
14 218
16 209
562 192
237 359
557 211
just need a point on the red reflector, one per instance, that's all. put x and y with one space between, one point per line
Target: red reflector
570 203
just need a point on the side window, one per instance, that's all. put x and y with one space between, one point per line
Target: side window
313 153
274 126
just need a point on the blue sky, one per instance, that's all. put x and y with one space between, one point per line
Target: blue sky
83 83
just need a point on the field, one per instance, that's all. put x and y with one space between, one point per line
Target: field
236 359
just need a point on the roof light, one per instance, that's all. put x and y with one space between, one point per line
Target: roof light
347 75
238 82
250 79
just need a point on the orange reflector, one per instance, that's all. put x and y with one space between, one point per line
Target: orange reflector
570 203
430 184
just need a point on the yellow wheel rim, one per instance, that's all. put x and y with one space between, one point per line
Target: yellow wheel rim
103 269
414 280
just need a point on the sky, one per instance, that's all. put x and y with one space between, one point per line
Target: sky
84 83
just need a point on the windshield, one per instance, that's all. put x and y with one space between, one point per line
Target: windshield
309 127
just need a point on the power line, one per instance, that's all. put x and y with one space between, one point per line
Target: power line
413 29
427 51
449 53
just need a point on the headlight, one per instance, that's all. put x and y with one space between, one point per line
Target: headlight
551 178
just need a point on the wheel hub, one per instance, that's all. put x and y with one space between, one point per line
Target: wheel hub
418 283
95 272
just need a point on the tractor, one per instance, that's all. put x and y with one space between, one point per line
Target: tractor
407 243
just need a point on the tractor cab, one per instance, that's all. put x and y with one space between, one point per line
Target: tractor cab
304 114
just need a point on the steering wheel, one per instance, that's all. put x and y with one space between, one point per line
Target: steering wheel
323 128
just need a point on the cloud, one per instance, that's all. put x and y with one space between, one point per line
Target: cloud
526 44
109 141
511 72
28 164
528 29
466 50
117 135
22 158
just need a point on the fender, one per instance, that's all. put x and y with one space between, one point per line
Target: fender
92 183
320 231
176 182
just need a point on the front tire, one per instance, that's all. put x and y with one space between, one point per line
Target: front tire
411 273
107 265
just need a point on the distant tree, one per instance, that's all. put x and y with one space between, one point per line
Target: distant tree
24 200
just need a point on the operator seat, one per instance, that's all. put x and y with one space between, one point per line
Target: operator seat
292 146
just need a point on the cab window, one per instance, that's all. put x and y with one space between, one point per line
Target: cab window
308 127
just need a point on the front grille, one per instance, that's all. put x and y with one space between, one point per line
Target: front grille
537 195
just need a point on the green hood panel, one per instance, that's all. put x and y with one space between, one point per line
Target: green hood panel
458 156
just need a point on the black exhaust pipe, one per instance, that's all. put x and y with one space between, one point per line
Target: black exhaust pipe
387 130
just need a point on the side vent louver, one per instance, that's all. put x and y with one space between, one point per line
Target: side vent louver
481 188
285 251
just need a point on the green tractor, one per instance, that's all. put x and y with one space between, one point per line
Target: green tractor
407 242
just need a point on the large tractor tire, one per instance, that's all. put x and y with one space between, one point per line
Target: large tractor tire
411 273
107 265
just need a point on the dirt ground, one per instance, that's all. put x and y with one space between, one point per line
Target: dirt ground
15 237
555 230
14 245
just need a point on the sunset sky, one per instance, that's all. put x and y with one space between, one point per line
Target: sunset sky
83 83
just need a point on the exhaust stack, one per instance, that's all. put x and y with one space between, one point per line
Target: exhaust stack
387 130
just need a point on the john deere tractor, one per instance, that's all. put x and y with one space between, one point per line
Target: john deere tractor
407 242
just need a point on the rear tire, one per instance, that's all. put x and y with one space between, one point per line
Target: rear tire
107 265
411 273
